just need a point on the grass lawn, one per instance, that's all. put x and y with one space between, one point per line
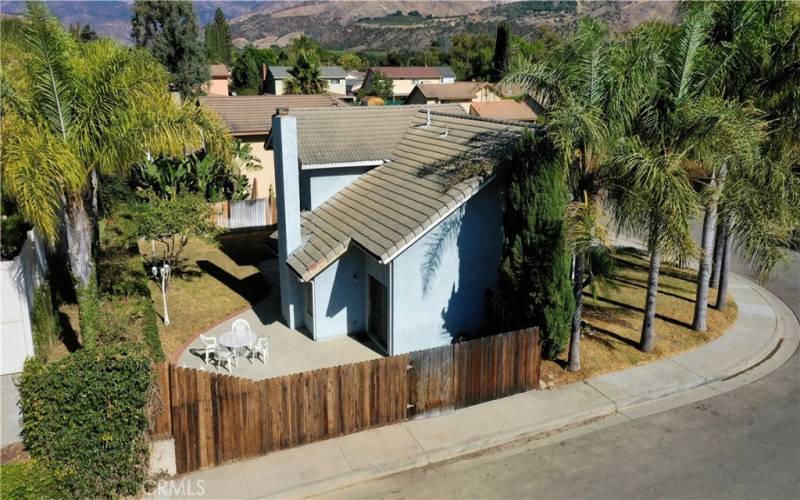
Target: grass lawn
25 479
214 283
616 320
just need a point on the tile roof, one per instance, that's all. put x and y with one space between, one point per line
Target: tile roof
504 110
408 72
219 71
252 115
326 72
354 133
389 207
456 91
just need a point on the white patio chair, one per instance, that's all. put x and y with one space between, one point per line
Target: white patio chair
209 346
227 358
261 347
240 325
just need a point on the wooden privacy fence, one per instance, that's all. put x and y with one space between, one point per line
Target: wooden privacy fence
261 212
217 418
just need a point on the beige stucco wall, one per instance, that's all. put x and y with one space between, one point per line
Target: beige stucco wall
404 87
218 86
262 179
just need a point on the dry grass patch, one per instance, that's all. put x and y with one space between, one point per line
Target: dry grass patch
615 316
214 282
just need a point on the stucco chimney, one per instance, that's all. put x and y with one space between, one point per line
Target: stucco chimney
287 181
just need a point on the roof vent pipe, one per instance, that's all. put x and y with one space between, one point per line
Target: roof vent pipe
427 122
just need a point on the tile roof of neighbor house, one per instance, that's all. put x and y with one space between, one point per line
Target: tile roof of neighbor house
327 72
456 91
355 133
252 115
389 207
409 72
504 110
219 71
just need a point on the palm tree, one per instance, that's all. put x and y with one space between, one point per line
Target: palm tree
589 92
753 52
72 112
306 75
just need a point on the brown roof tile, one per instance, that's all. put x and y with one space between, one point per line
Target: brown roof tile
219 71
456 91
252 115
503 110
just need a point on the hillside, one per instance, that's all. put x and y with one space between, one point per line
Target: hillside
376 24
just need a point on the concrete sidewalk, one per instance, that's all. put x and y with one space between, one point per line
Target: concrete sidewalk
765 334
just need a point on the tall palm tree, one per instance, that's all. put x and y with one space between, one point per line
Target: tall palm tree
753 55
306 74
72 112
589 92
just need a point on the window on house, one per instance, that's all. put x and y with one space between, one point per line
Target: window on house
336 82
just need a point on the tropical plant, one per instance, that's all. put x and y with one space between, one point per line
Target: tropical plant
587 87
306 76
351 61
82 33
170 32
73 112
380 86
753 49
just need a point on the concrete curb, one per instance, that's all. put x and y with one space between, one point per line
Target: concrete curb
764 336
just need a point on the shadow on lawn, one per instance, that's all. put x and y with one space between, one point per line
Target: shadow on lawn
661 291
641 310
253 288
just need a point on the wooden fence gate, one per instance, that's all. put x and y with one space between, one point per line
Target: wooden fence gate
217 418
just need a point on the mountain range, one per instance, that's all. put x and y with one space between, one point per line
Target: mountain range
367 25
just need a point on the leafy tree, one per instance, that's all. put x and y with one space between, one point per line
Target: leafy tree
306 76
219 48
351 61
72 112
471 55
380 86
172 222
248 67
82 33
535 272
502 47
169 31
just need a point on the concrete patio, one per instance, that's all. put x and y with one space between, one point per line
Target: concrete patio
291 351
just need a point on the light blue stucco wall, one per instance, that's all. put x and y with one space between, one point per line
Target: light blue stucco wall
439 283
317 185
339 297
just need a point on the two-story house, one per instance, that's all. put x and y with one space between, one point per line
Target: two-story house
378 230
404 79
276 76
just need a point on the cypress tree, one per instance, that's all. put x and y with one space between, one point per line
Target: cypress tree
502 45
219 46
535 272
169 31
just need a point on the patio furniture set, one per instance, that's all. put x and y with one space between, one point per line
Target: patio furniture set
241 341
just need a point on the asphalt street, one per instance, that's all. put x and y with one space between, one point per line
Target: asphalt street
741 444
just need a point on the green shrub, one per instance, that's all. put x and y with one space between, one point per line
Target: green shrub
131 319
44 321
84 418
26 480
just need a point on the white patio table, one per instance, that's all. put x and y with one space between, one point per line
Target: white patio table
235 341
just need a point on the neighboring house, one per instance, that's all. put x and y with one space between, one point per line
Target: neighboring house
249 118
406 78
220 78
404 251
276 76
462 93
504 110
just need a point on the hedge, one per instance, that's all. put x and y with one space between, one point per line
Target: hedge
84 418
